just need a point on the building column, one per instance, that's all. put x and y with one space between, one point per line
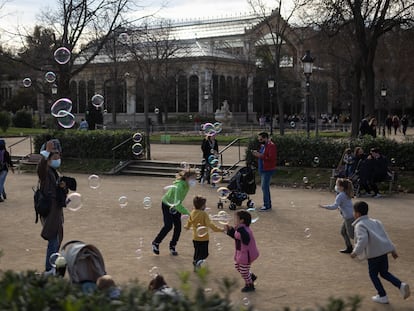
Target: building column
250 96
131 100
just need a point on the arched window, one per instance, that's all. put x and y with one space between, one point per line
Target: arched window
194 93
237 95
222 90
229 94
244 94
182 94
82 97
73 91
139 97
115 95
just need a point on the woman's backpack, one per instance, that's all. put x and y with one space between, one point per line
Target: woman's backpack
41 204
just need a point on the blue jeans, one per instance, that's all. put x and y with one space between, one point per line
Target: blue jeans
379 265
3 175
52 247
265 178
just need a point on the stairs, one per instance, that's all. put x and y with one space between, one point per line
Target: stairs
155 168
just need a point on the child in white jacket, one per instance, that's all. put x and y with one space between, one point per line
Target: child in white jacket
373 243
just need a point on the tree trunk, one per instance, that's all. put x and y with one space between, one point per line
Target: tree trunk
147 123
369 89
356 102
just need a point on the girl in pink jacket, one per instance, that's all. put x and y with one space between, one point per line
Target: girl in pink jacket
246 250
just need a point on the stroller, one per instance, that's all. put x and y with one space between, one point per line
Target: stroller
241 185
85 263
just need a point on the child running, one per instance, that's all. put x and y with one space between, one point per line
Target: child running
200 219
373 243
246 250
172 214
343 202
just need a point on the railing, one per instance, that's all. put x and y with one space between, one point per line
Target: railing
117 147
20 141
232 143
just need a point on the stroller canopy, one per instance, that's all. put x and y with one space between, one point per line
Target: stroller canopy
84 261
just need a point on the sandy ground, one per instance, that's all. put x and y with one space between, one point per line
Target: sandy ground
294 268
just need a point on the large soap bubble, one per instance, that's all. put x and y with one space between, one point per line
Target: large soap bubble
171 196
50 77
61 105
97 100
74 201
27 82
66 119
62 55
137 149
94 181
137 137
223 193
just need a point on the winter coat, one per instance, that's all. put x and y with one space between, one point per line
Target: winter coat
246 249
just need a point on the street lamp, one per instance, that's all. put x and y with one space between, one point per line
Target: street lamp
270 86
383 95
307 61
54 89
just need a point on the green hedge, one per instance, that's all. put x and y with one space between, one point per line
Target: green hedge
92 144
300 151
29 291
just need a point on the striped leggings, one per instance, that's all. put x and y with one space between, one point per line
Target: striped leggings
244 270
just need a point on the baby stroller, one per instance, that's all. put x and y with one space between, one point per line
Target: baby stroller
241 185
85 264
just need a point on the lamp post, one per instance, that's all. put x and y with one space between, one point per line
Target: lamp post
270 86
307 61
383 96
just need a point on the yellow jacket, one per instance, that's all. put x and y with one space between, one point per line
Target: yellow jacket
200 218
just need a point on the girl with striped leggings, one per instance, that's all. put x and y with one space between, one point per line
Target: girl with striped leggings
246 250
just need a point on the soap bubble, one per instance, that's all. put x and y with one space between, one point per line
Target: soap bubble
156 110
223 217
308 233
184 217
171 198
147 202
137 149
66 119
184 165
215 178
52 259
246 301
123 38
292 124
62 55
254 214
223 193
153 271
74 201
123 201
137 137
50 77
305 180
202 231
94 181
316 160
97 100
61 106
393 161
138 253
27 82
218 127
209 129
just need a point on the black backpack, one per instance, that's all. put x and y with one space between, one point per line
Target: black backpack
41 204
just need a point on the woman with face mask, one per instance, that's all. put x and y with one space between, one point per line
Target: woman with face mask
55 191
172 209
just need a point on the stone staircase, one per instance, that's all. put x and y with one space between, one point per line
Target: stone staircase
159 168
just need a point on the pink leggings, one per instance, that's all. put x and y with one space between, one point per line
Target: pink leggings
244 270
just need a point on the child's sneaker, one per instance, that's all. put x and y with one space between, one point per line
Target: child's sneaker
248 288
405 290
155 248
379 299
173 251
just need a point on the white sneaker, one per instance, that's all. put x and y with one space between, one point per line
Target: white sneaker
377 298
405 290
50 272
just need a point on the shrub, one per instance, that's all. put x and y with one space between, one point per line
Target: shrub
4 120
23 119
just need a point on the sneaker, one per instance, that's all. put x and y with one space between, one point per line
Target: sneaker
155 248
173 251
248 288
50 272
265 209
405 290
347 250
383 299
376 196
253 276
198 264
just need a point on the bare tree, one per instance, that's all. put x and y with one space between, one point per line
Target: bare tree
272 32
366 22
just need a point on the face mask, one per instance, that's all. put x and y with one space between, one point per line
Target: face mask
55 163
192 182
336 189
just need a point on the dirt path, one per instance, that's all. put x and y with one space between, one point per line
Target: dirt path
293 269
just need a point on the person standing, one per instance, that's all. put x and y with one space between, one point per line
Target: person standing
83 125
5 164
372 243
199 219
267 156
55 191
172 214
209 147
404 124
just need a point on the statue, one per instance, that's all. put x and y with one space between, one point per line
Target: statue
223 114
